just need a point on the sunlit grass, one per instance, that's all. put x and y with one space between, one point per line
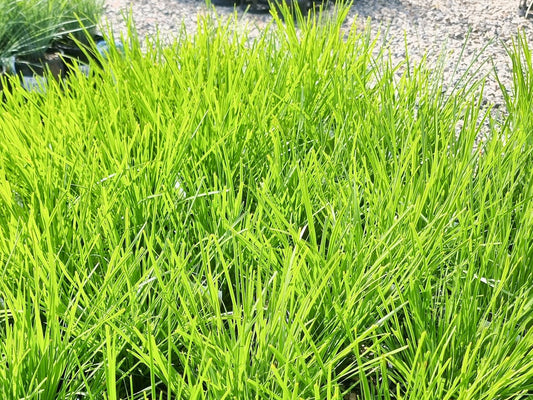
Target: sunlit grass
276 221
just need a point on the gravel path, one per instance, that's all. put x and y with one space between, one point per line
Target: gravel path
429 26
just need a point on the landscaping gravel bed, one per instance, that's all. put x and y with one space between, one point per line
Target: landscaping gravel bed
430 26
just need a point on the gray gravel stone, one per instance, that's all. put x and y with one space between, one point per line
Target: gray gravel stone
434 26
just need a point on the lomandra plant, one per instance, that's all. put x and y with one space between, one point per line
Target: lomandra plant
275 220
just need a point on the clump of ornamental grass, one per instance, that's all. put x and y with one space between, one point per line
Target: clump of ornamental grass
286 219
28 27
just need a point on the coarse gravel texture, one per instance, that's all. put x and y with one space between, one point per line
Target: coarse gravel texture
427 26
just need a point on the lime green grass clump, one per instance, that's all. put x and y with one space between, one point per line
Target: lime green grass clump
291 219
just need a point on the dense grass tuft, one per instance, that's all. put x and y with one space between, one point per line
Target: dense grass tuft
28 27
287 219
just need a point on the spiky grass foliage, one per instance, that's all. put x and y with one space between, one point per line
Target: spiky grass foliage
29 26
275 221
